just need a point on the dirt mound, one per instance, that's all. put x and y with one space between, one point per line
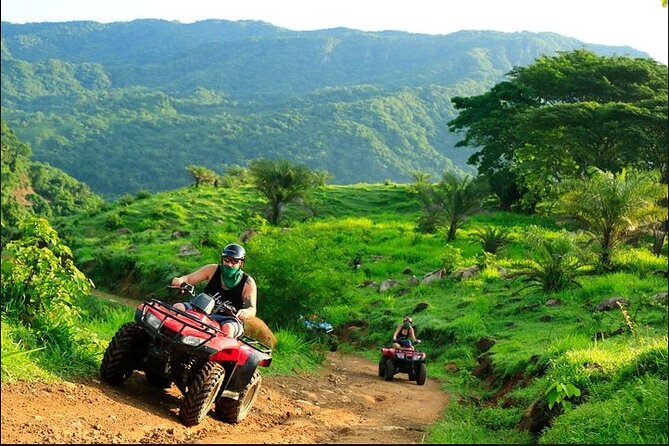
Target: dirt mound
346 403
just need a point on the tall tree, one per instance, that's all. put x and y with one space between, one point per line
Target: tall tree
557 117
202 175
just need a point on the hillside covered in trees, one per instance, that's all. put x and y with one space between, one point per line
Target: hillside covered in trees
128 105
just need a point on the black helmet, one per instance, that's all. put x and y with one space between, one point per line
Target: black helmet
233 250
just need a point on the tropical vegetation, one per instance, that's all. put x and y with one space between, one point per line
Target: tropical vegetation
546 326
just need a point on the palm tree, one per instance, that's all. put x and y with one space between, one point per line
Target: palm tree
451 202
613 207
556 262
281 182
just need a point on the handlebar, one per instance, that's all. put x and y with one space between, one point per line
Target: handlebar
224 307
185 288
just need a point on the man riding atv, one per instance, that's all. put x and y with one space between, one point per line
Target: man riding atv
226 282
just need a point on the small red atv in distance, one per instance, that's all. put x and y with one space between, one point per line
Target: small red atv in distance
188 348
403 360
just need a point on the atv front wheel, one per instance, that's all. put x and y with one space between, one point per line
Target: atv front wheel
389 369
422 374
201 393
123 353
234 411
382 366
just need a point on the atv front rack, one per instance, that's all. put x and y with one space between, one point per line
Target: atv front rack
177 318
173 337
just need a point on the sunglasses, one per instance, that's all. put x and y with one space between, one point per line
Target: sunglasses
231 261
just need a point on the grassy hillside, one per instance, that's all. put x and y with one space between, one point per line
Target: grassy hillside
498 348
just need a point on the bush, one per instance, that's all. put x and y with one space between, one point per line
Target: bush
635 414
493 238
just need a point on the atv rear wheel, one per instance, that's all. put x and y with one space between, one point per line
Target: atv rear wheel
202 391
333 343
123 353
422 374
382 366
234 411
389 369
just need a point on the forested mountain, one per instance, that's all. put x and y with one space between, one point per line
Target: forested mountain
128 105
30 187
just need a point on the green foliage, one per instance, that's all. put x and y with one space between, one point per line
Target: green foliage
635 414
41 279
293 354
449 203
39 285
612 207
559 262
227 107
451 259
281 182
465 424
33 188
202 175
493 238
365 233
560 392
562 114
299 275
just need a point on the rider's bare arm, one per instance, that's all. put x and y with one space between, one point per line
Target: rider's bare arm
204 273
249 298
397 330
413 334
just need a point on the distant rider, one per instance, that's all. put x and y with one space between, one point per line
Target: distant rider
404 334
231 283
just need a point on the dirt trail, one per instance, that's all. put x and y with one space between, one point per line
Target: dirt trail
344 404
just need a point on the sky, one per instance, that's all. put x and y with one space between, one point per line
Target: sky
640 24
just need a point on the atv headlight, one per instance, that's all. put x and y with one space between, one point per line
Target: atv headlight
152 320
191 340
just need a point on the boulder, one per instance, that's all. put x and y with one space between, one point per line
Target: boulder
611 304
387 284
466 272
434 275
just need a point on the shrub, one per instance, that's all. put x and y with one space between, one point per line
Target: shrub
636 414
559 263
451 258
493 238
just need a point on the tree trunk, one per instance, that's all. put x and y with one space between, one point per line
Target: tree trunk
660 234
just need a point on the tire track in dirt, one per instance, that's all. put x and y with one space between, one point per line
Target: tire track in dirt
346 403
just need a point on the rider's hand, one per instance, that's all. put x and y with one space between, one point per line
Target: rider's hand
176 282
243 314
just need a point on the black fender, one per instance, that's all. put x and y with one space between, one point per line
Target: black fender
241 375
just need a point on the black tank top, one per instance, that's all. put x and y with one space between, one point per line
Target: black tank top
401 335
234 295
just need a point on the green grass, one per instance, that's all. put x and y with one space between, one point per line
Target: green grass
312 262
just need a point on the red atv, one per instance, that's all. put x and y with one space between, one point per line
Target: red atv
188 348
403 360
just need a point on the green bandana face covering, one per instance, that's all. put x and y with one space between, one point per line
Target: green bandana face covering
406 325
231 276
